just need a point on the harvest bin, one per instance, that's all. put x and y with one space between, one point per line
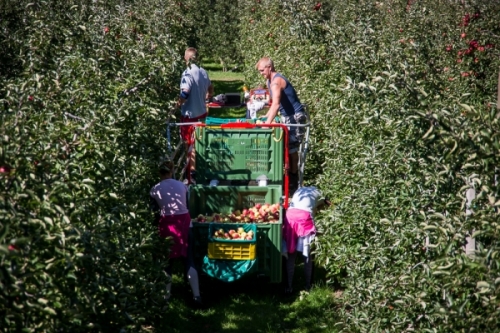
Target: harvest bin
230 249
207 200
239 156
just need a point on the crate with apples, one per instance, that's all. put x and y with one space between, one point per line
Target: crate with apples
231 207
230 241
239 235
259 213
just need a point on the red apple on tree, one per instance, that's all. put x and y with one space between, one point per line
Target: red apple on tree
5 169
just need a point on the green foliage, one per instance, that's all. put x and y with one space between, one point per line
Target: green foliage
219 36
212 27
401 98
402 127
82 118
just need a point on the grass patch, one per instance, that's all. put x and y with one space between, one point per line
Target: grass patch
222 87
226 76
228 112
252 305
224 82
215 73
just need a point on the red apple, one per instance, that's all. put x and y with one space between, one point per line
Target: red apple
5 169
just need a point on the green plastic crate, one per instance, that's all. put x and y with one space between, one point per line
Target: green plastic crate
220 121
231 249
207 200
239 154
268 249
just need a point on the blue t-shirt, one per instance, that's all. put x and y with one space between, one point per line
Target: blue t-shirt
195 81
289 102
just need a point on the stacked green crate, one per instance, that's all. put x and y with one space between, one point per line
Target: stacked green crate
208 200
268 248
236 157
239 154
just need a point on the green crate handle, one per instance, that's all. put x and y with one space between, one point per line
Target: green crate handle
274 135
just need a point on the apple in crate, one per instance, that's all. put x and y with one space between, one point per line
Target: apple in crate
249 235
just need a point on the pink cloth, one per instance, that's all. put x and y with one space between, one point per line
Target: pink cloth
298 223
177 227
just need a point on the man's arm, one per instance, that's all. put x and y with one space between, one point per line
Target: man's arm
276 93
322 204
186 83
210 91
182 98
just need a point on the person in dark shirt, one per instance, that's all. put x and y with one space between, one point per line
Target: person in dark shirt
285 101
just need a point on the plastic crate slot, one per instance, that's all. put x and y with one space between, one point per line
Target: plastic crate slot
241 154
